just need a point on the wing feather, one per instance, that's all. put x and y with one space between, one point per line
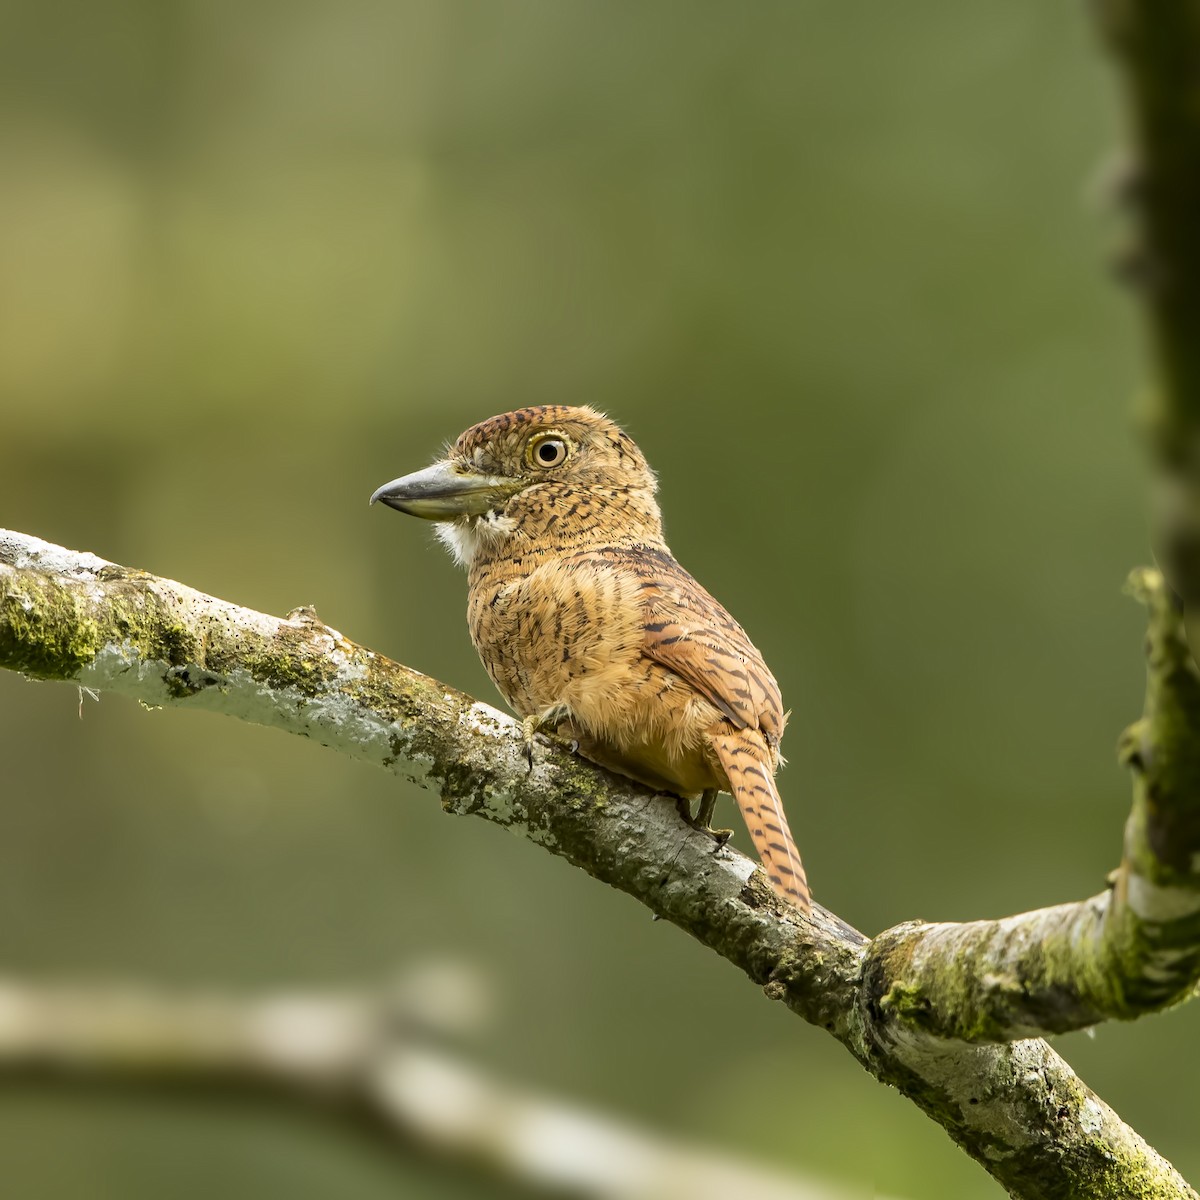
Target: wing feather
691 634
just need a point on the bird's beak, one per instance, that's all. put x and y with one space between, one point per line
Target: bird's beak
445 491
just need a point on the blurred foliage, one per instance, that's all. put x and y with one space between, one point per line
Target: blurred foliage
838 270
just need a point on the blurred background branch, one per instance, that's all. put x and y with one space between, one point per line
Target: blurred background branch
75 617
1156 44
377 1057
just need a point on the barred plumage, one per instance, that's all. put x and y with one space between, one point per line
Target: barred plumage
584 619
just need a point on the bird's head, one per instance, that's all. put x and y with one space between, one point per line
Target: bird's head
525 472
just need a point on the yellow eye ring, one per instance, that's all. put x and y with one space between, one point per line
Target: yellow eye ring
548 450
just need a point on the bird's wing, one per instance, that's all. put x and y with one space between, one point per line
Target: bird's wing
688 632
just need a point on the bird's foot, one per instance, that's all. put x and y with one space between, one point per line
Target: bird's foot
720 836
535 728
702 821
530 728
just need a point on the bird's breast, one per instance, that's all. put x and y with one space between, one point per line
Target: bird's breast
567 638
559 635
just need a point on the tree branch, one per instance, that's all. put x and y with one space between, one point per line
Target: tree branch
1156 43
1017 1108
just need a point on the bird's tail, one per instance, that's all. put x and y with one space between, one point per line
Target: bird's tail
744 757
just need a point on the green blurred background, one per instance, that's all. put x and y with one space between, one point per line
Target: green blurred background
839 268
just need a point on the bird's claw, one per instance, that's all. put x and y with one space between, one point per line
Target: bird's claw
531 730
534 729
720 836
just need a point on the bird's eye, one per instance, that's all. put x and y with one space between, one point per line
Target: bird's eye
550 451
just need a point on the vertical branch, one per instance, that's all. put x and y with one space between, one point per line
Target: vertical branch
1156 44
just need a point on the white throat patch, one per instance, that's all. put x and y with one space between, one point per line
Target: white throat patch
465 537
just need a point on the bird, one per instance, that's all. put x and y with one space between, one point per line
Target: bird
590 628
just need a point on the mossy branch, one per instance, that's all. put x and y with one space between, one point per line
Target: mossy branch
1017 1108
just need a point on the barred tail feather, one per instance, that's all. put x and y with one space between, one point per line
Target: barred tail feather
752 784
